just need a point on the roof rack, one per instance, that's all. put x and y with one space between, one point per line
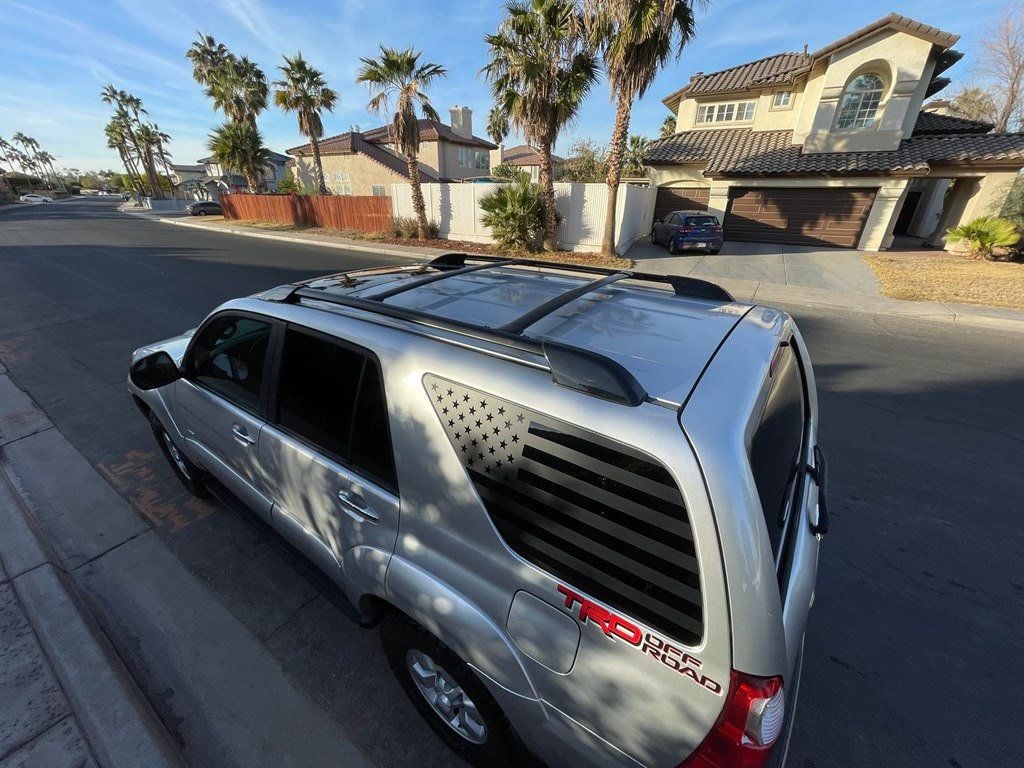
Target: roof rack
571 367
682 286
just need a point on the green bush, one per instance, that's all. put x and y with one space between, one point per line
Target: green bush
289 185
984 234
515 215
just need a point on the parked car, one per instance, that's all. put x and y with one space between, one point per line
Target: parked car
587 506
34 198
688 230
204 208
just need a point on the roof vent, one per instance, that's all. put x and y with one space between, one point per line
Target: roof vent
805 49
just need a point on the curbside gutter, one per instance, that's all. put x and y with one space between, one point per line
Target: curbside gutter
116 720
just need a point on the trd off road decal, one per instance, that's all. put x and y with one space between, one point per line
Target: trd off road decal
617 627
592 512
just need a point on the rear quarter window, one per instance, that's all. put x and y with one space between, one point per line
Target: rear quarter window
777 447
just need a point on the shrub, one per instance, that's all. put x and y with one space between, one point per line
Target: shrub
983 235
515 215
289 185
407 228
510 172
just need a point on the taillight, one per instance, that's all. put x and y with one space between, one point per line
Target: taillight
748 727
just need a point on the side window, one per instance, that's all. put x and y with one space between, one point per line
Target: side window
228 357
671 218
332 396
777 447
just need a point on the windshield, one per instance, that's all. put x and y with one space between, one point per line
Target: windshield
701 221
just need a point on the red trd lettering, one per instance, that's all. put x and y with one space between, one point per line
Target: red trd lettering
609 623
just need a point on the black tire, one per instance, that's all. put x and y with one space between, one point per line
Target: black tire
202 213
714 251
654 240
188 473
672 247
502 748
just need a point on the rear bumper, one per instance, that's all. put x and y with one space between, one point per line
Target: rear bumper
696 243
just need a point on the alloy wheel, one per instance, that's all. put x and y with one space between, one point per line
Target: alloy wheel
446 697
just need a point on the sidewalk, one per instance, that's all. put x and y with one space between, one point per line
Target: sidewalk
109 644
758 291
66 700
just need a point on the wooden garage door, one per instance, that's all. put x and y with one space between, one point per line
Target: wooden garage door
804 216
680 199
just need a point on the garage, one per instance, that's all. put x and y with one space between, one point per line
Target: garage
680 199
803 216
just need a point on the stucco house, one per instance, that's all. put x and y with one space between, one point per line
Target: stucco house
213 180
368 163
525 158
834 147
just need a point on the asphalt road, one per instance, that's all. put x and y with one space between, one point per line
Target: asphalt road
914 644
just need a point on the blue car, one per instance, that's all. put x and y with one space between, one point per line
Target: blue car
689 231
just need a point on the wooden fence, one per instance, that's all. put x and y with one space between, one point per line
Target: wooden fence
367 214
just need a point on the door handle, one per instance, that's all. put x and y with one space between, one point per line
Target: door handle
353 502
242 434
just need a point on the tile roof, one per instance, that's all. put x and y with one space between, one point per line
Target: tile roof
350 143
784 68
932 123
743 152
430 130
524 155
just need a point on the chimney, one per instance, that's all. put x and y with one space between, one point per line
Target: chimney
462 121
805 49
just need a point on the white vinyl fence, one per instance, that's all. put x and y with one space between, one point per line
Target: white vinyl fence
456 209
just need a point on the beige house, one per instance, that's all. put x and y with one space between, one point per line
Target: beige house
525 158
834 147
368 163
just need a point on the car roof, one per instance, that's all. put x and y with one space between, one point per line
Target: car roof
694 213
665 340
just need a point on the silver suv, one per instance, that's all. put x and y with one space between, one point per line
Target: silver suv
586 504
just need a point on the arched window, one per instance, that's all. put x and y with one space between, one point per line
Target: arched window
860 102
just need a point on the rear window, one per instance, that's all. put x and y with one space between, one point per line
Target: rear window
595 514
777 447
701 221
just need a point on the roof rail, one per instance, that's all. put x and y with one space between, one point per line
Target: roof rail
683 286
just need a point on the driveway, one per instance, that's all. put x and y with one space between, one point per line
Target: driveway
830 269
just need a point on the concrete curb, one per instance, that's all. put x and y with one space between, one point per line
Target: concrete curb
116 719
347 245
759 291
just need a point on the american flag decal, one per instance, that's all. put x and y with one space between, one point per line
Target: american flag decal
599 515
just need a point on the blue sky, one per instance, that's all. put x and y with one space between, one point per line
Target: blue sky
59 55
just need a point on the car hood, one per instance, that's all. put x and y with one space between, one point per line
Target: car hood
174 346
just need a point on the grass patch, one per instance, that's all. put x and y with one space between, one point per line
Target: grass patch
928 277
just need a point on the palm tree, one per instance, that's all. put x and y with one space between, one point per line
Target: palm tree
633 158
239 89
399 81
117 138
237 145
129 111
540 70
207 56
668 126
636 39
8 153
304 91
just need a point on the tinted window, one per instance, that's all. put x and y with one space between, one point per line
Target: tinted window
701 221
671 219
228 356
777 446
331 395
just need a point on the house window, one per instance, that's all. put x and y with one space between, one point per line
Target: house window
726 113
378 190
342 189
482 161
465 157
782 99
860 102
